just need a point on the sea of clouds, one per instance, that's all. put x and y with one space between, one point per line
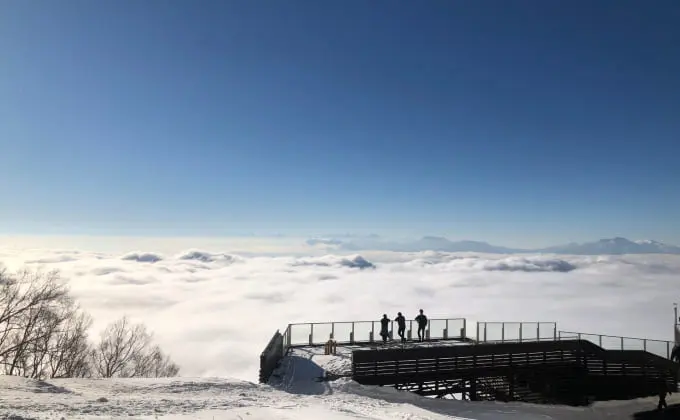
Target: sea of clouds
214 311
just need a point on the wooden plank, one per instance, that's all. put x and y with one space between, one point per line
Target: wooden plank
465 350
433 364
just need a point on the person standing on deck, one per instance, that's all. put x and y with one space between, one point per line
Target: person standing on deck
401 322
384 324
422 323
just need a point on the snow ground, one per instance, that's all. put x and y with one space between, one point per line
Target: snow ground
295 394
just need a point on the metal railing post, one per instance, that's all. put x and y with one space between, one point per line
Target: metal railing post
351 335
311 334
502 332
332 330
372 331
520 332
600 338
485 332
538 331
464 328
555 331
477 337
621 343
446 330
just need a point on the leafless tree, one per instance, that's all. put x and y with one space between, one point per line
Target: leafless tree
155 364
70 357
43 333
125 350
32 307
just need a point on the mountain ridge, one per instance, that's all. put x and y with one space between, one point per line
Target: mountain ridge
607 246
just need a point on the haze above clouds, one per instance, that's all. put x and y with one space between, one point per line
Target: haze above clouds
214 311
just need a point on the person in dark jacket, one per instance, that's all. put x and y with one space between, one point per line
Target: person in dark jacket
675 354
422 323
384 327
663 391
401 323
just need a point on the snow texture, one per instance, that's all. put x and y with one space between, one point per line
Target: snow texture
297 396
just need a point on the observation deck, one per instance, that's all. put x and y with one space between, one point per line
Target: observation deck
505 361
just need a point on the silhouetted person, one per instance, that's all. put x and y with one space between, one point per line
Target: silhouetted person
384 325
401 322
675 354
662 398
422 323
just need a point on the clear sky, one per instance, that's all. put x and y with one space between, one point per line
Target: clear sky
516 122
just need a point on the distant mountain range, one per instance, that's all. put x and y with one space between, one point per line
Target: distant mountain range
615 246
612 246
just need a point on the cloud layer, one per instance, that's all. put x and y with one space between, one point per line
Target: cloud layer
215 311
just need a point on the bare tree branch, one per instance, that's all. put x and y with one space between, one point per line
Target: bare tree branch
43 333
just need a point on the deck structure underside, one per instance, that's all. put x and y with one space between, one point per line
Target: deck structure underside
573 372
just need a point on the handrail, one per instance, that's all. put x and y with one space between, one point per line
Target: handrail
622 341
535 327
370 320
616 336
450 328
516 322
516 328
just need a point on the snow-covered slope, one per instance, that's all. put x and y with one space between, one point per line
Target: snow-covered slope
207 399
297 394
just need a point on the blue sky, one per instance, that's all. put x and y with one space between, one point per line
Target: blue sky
520 123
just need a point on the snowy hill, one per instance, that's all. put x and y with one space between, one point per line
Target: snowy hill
209 398
297 394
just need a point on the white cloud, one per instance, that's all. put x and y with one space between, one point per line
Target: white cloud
214 310
148 257
204 256
355 261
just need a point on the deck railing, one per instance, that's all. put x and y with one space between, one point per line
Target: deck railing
515 331
350 332
361 332
358 332
616 342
